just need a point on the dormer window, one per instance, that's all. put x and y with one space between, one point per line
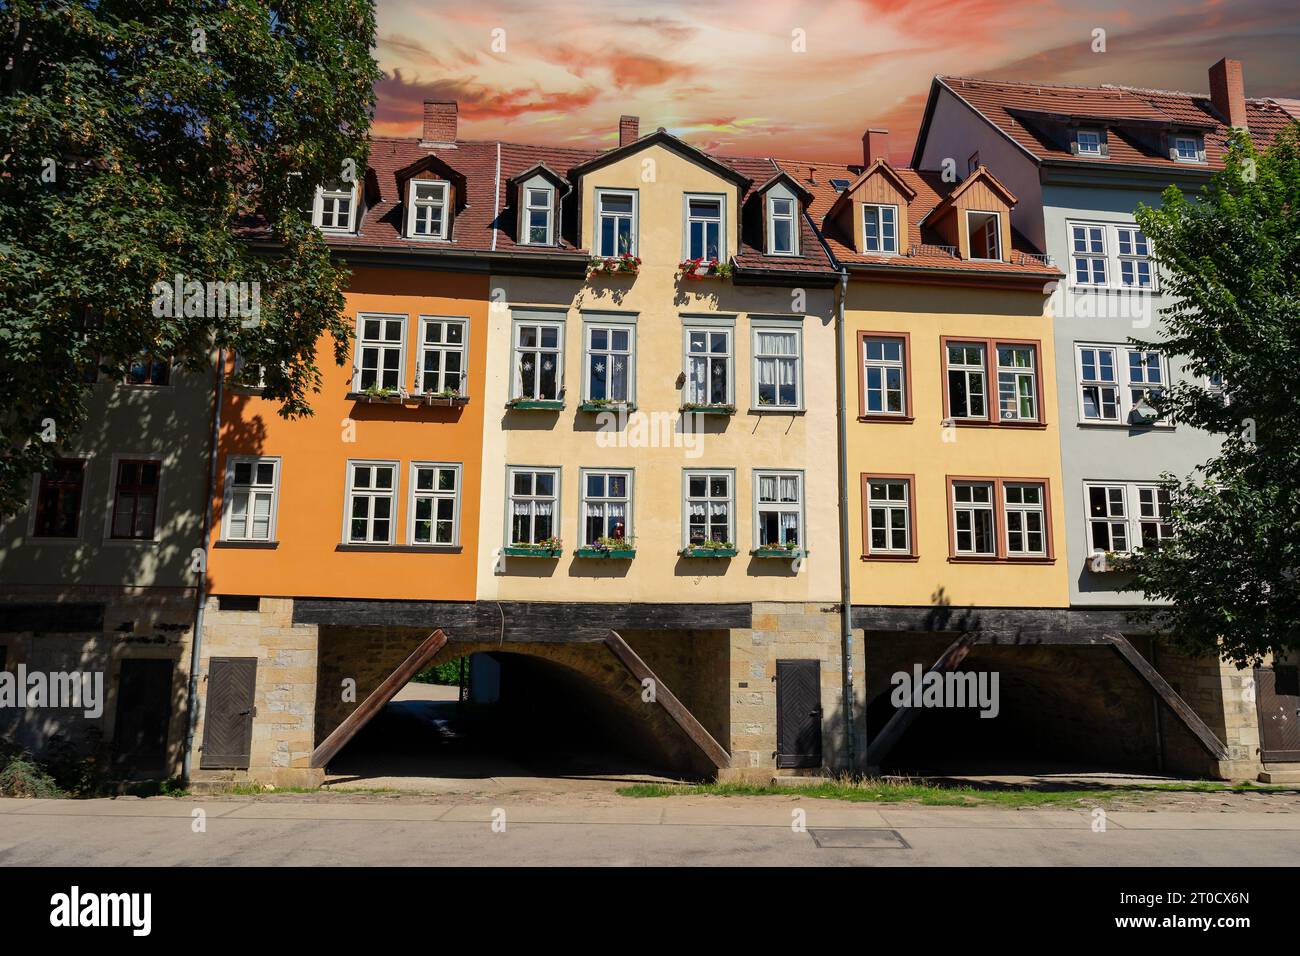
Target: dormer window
984 233
704 228
539 217
332 211
880 229
427 215
781 239
1188 149
1089 142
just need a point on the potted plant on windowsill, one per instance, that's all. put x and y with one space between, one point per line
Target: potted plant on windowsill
785 552
606 405
625 264
619 549
551 547
694 269
448 396
377 393
709 408
525 403
710 548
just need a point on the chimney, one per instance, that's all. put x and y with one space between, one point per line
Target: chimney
439 122
629 129
875 145
1228 91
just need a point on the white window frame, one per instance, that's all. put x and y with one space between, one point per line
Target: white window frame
1111 258
721 222
249 491
629 477
991 506
1122 384
372 494
414 206
1101 142
334 195
889 506
601 193
798 508
884 364
967 370
708 474
1089 254
1024 510
1124 518
556 498
414 492
240 364
422 348
997 234
794 329
773 217
729 359
383 345
1135 238
1154 489
1016 373
1198 148
609 323
517 350
875 211
528 207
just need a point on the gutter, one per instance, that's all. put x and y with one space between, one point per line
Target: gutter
196 642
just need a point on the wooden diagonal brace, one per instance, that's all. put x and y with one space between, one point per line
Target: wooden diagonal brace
382 694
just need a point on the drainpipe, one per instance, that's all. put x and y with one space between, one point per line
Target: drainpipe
846 596
196 642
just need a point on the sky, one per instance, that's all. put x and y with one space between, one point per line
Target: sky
794 80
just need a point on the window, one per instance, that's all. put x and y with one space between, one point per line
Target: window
252 488
434 516
889 522
332 210
615 223
973 519
427 218
538 217
58 499
606 506
972 162
880 229
1017 383
1154 527
539 361
248 375
534 505
839 185
777 363
1127 515
709 506
1108 517
1134 258
708 366
704 238
1026 521
1088 248
135 499
610 362
884 376
1089 142
371 497
1102 397
149 370
984 233
778 509
1188 149
966 381
381 350
440 367
781 234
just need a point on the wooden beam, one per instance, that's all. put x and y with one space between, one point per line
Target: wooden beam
1171 698
675 709
382 694
897 725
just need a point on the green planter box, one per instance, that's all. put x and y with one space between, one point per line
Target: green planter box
626 554
708 552
781 554
539 405
597 407
533 552
708 410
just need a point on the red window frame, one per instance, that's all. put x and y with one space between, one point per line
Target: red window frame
136 490
66 478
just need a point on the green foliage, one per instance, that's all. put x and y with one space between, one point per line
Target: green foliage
134 138
448 672
23 777
1230 264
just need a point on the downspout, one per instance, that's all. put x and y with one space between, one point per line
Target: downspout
846 595
196 642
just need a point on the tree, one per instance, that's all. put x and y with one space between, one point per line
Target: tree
135 137
1230 262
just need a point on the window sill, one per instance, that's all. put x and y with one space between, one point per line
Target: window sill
535 405
248 545
1130 426
891 557
402 548
708 552
626 554
549 553
408 399
1087 287
708 409
596 408
777 410
994 423
778 554
894 419
982 559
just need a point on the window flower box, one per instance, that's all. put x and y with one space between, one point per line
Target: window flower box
1108 562
618 549
695 269
780 552
535 404
709 549
625 264
606 405
550 548
392 396
448 397
701 408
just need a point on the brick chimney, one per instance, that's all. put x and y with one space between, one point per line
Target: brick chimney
439 122
1228 91
875 145
629 129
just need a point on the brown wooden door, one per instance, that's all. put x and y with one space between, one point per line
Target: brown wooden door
144 710
798 714
228 720
1277 697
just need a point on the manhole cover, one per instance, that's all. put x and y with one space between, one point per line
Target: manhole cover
851 839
